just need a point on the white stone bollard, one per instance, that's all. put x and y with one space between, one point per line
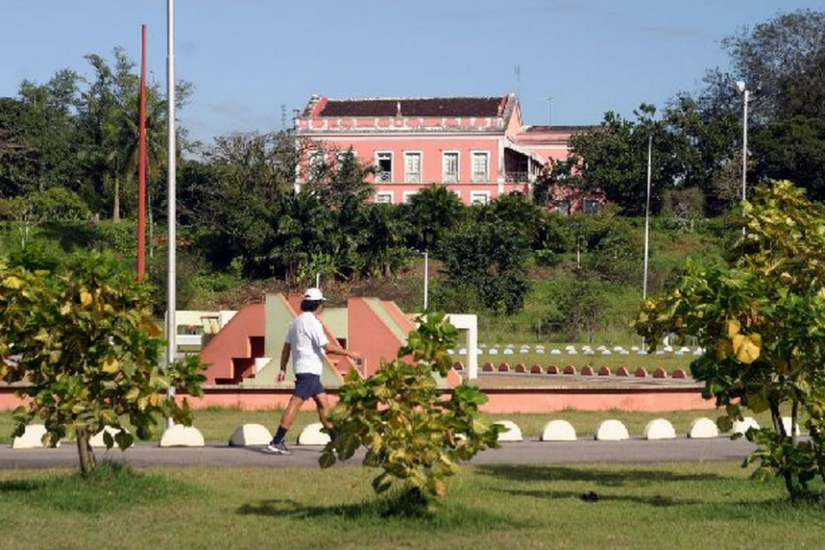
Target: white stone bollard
703 428
659 428
312 435
511 432
611 430
558 430
32 438
742 426
97 440
250 435
786 421
181 436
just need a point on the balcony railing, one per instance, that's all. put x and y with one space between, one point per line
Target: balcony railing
383 177
517 177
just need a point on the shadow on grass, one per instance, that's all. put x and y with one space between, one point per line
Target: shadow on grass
606 477
112 487
441 515
656 501
599 479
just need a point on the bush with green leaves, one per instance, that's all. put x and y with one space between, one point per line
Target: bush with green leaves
411 429
761 323
488 260
82 341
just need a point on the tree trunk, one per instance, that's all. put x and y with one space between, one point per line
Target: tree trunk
785 469
116 208
85 452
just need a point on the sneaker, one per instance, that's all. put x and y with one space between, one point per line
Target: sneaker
276 449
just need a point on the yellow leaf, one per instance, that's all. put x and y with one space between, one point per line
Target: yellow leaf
12 282
747 347
66 308
733 327
439 487
111 365
85 298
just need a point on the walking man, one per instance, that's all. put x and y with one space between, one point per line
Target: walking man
308 345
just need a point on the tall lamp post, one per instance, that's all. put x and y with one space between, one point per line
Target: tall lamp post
426 278
414 254
647 214
171 326
740 86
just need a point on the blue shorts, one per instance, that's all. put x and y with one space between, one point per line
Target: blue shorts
308 385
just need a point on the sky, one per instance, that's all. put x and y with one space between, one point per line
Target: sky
253 62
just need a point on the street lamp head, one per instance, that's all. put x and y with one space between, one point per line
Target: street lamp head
740 86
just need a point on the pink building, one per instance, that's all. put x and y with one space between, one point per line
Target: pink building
477 146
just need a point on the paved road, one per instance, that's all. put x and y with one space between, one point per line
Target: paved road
638 451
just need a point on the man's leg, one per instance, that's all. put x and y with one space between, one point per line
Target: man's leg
323 409
287 418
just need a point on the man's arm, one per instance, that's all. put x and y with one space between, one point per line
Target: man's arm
335 349
285 352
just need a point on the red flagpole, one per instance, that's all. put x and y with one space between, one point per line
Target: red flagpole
141 246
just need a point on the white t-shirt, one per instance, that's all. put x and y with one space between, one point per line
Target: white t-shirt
306 339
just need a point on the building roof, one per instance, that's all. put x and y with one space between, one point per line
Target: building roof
411 107
560 129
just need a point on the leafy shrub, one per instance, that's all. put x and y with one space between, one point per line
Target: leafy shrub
414 435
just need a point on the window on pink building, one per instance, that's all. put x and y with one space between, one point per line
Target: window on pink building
449 166
412 167
383 164
481 166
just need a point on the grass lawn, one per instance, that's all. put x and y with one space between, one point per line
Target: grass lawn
673 506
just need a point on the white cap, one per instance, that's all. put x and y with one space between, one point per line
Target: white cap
314 295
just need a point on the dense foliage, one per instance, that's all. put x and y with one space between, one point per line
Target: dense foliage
84 340
415 435
697 139
760 322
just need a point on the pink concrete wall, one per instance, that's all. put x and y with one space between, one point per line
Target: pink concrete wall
500 401
369 336
233 341
431 149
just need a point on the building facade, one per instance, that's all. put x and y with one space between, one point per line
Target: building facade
476 146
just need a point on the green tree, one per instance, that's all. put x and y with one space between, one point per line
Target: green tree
761 323
783 59
793 149
85 342
486 259
239 195
410 431
613 158
432 213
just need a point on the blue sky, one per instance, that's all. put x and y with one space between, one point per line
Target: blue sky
247 58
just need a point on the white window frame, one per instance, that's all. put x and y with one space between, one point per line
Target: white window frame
408 195
380 176
479 197
477 177
413 177
591 206
342 154
450 177
384 197
317 158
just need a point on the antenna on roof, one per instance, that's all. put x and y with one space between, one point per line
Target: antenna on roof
517 72
550 109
